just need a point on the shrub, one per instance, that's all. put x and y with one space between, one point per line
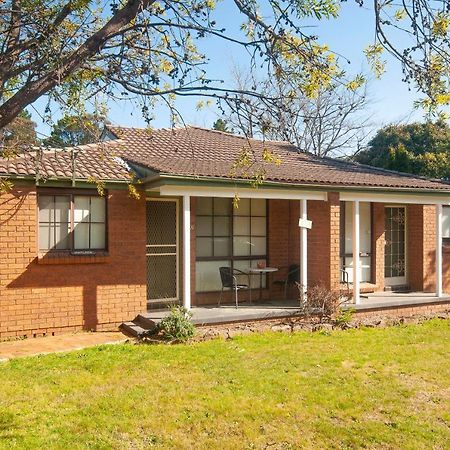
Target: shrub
344 317
177 325
321 301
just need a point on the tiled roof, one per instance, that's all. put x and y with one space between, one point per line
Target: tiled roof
202 152
194 151
92 160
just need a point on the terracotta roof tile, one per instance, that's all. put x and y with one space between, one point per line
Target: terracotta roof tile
194 151
93 160
200 152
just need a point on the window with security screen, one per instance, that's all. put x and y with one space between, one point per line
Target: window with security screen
227 236
71 222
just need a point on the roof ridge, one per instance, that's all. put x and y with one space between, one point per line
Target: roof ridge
228 133
198 127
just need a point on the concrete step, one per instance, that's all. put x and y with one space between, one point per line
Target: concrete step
132 329
148 323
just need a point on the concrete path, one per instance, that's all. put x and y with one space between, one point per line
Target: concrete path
55 344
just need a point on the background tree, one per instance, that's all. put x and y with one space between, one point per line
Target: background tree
75 130
418 148
21 132
221 125
332 122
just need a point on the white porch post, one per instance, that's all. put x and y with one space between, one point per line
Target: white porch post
187 251
438 250
356 252
303 247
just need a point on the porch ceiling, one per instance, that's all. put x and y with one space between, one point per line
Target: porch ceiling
243 192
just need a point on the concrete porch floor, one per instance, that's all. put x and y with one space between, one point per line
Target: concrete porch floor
205 315
395 299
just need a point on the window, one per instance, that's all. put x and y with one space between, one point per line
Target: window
446 224
227 236
72 222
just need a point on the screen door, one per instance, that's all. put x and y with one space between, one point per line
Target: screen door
162 251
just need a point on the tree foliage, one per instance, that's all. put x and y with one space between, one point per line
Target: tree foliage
75 130
330 123
20 133
418 148
74 50
221 125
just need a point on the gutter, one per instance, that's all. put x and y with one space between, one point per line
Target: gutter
189 180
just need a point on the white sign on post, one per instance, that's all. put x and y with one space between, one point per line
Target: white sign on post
305 223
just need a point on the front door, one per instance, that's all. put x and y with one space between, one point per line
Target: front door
395 246
162 251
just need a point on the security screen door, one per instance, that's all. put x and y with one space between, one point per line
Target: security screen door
162 251
395 246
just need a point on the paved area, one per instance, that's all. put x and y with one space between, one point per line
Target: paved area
55 344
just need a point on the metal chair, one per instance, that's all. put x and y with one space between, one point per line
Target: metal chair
292 278
345 279
229 280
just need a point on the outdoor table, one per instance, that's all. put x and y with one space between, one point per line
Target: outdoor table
261 271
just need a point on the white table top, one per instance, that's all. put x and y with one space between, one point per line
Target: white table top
262 270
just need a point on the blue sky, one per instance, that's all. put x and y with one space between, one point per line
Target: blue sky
349 34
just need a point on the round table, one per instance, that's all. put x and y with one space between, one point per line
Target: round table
261 271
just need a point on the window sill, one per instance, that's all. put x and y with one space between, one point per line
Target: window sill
73 257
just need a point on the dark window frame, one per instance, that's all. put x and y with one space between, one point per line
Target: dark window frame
71 194
231 258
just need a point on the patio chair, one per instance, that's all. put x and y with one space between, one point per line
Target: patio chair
345 279
292 278
229 280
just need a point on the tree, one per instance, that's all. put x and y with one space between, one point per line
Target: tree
418 148
75 130
71 50
21 132
221 125
329 123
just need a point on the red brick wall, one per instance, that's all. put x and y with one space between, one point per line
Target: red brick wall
323 242
378 243
421 244
40 296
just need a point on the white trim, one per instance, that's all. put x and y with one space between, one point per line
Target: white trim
187 251
176 245
356 251
394 198
439 251
303 247
205 191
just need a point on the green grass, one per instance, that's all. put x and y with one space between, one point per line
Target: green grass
367 388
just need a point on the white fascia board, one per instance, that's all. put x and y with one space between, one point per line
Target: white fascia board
421 199
205 191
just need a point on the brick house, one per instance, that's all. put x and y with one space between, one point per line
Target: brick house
71 259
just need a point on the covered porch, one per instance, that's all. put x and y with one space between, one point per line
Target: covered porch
381 304
357 241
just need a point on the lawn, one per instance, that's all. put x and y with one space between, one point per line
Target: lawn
372 388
